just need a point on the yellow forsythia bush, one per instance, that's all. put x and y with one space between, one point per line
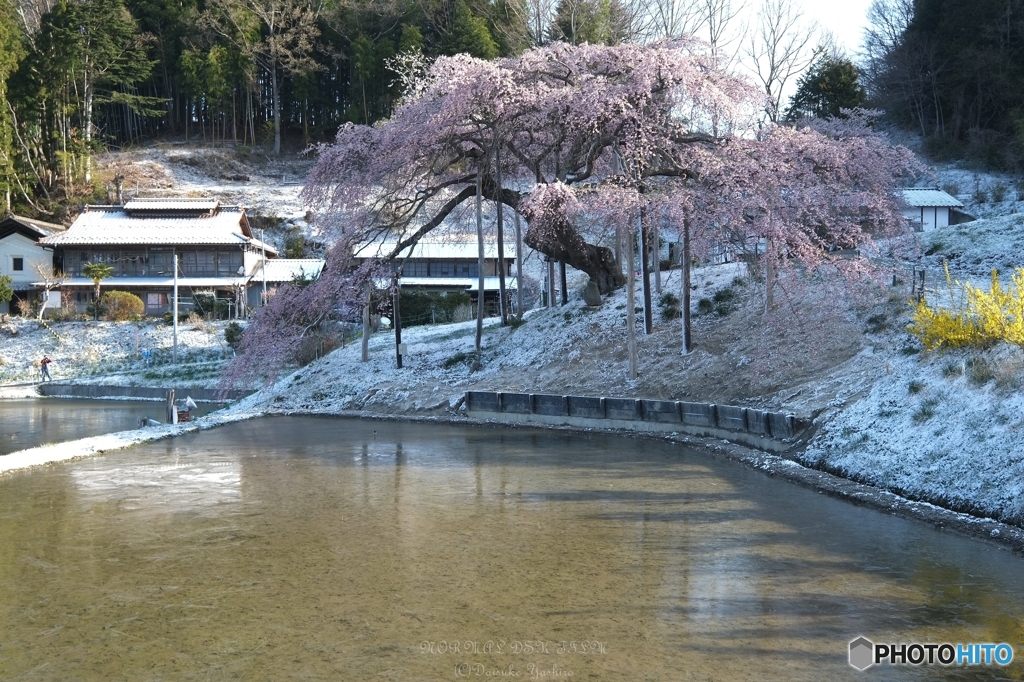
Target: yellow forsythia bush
978 319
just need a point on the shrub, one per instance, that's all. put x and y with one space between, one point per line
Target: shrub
925 412
315 346
424 307
121 306
233 334
183 316
725 301
705 306
979 372
454 360
876 323
206 303
295 244
978 318
670 306
999 192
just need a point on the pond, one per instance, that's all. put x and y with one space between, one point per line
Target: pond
32 422
335 549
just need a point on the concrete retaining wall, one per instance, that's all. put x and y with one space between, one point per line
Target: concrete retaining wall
766 430
200 395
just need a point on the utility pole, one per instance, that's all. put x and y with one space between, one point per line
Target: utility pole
630 307
502 303
263 265
480 260
519 268
396 297
174 257
366 321
685 276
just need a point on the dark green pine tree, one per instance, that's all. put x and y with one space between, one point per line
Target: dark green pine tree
598 22
11 53
829 86
469 34
104 54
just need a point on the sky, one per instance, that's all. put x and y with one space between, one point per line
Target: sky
845 19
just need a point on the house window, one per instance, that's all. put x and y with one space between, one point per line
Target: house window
467 269
228 263
415 268
442 268
18 264
161 263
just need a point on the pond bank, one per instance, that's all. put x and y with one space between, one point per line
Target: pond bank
785 465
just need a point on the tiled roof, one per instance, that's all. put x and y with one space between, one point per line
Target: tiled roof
287 269
467 283
122 283
929 197
43 228
112 226
438 250
171 205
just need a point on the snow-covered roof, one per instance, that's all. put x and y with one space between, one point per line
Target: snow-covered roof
287 269
453 249
196 205
156 282
29 227
112 225
467 283
929 197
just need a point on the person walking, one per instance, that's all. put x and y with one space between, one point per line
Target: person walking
44 368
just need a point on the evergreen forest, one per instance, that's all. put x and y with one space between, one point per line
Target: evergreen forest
81 76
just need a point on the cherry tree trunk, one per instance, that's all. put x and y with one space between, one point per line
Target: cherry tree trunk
596 261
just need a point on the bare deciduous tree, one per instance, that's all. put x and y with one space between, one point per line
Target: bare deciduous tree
672 19
780 46
51 279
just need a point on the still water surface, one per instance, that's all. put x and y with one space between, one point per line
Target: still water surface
29 423
328 549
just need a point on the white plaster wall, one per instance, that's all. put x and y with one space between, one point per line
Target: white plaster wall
928 217
18 245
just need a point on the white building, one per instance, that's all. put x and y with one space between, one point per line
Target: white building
21 256
449 265
929 208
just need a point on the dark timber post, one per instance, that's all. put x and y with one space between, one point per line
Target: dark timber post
645 266
396 297
565 287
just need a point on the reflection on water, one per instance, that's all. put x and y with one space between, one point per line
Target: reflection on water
28 423
297 547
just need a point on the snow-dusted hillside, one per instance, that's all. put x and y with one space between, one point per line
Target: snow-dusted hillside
944 427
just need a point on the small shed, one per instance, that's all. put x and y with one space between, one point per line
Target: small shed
930 208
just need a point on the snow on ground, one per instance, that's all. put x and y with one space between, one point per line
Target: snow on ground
268 186
112 352
947 428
